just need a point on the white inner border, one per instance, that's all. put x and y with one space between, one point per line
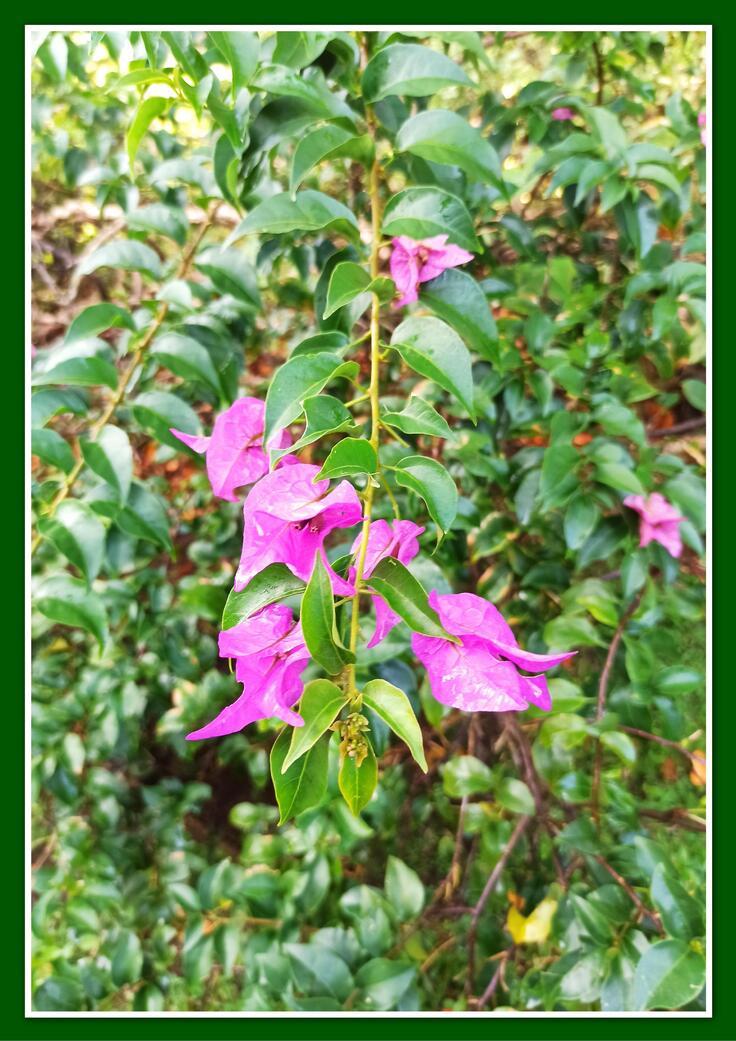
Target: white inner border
29 1012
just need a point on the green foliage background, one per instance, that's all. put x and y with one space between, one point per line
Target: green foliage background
161 880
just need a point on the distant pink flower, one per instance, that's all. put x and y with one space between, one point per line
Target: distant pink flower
562 114
234 452
480 674
414 261
270 656
287 517
398 539
660 521
701 119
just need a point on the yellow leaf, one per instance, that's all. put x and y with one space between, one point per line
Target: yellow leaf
535 927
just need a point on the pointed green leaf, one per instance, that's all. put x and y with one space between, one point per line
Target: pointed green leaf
125 254
404 889
457 298
319 707
50 402
240 50
148 110
318 621
669 975
441 136
324 415
305 782
424 212
69 601
52 449
407 597
394 708
269 586
348 281
300 378
111 457
308 211
418 417
331 141
230 273
78 534
430 480
411 70
351 456
187 358
161 219
434 350
681 914
157 411
358 783
90 371
144 515
96 319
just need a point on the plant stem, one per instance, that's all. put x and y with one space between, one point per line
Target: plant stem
373 394
126 375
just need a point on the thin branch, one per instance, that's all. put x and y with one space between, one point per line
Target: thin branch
643 910
665 742
497 978
602 692
599 72
493 878
679 428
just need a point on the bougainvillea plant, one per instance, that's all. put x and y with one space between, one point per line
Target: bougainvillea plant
368 505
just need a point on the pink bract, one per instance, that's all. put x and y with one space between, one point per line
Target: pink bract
287 517
659 521
413 262
234 452
562 113
270 656
398 539
481 673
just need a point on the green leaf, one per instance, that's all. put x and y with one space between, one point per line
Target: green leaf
434 350
77 532
240 50
48 402
148 110
157 411
331 141
190 171
466 775
59 994
394 708
319 707
144 515
515 796
441 136
669 975
269 586
125 254
111 457
96 319
318 621
305 782
298 49
127 959
324 415
424 212
694 391
358 783
352 455
558 473
634 570
308 211
69 601
52 448
89 371
326 972
231 273
321 343
300 378
429 479
281 81
384 982
187 358
681 914
418 417
457 298
620 477
622 421
410 70
621 745
407 597
660 175
348 281
404 889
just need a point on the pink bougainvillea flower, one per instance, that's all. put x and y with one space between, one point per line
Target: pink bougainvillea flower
562 113
701 119
234 452
398 539
287 517
270 656
660 521
414 261
481 673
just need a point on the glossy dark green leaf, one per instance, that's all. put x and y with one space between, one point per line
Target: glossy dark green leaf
111 457
514 795
52 449
394 708
318 622
442 136
240 50
351 456
148 110
457 298
332 141
466 775
424 212
281 81
418 417
324 971
127 959
96 319
324 415
144 515
308 211
187 358
410 70
50 402
125 254
434 350
327 342
305 782
230 273
681 914
358 783
431 481
300 378
158 410
90 371
269 586
404 889
407 597
319 707
348 281
69 601
78 533
669 975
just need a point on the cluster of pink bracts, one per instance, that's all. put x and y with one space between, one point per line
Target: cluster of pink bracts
287 517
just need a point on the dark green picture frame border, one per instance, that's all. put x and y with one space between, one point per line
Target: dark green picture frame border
13 1023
